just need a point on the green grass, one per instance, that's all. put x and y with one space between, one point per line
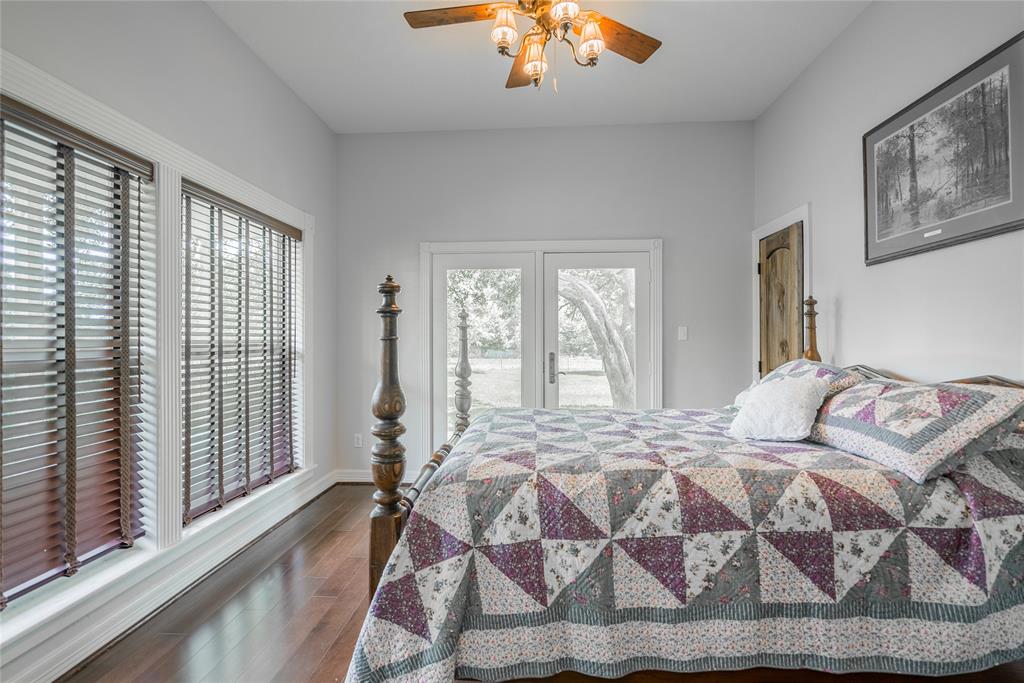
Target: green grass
497 383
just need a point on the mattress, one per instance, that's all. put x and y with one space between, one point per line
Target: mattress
609 542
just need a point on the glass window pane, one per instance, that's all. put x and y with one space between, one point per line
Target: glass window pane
492 297
597 337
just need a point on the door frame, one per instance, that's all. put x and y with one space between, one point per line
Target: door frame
801 213
430 250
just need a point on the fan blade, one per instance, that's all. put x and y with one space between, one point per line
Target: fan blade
517 77
450 15
620 38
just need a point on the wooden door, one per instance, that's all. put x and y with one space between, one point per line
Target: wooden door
781 275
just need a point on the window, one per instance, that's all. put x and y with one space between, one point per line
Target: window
77 281
241 350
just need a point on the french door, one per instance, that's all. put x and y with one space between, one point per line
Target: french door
547 328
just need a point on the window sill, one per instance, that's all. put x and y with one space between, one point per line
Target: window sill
42 635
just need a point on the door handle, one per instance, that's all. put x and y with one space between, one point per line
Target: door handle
552 373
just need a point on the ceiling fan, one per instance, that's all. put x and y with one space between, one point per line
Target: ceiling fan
553 21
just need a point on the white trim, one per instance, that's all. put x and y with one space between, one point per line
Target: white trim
167 485
539 247
355 476
546 246
800 213
42 635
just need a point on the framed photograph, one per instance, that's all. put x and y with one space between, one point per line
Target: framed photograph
950 167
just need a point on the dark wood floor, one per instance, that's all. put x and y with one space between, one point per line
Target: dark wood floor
290 607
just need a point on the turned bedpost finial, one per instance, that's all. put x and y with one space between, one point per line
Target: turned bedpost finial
387 458
463 396
812 330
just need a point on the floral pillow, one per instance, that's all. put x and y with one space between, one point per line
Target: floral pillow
922 430
838 378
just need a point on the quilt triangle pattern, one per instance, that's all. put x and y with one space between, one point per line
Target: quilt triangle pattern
985 502
523 563
562 518
702 511
430 544
399 603
849 510
810 552
961 549
662 557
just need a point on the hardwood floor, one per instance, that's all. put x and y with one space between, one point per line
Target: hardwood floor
289 609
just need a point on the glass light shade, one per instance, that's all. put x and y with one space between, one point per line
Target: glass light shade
591 41
504 32
564 12
536 63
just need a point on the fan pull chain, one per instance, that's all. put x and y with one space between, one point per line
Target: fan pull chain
554 69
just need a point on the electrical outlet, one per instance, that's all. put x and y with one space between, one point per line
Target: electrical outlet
357 440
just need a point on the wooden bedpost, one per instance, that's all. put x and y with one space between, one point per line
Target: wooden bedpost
463 397
388 454
812 330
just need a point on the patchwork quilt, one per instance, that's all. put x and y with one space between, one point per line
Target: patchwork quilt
608 542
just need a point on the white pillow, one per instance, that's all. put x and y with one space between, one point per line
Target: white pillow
783 410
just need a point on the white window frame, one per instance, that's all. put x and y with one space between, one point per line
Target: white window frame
42 636
433 251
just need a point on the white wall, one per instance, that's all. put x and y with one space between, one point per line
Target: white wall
690 184
177 69
949 313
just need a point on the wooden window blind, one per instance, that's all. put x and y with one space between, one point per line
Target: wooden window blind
241 350
76 283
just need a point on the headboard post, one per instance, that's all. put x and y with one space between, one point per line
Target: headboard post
812 330
388 455
463 396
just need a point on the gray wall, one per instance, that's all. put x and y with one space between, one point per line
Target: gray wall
690 184
949 313
176 68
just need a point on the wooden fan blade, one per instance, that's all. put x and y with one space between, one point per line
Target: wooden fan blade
444 16
624 40
517 77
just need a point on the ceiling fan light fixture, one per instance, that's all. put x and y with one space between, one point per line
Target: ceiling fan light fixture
591 42
536 63
564 11
504 32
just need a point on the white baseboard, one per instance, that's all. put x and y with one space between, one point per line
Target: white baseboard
43 635
354 476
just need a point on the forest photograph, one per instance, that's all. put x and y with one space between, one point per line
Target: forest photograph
949 163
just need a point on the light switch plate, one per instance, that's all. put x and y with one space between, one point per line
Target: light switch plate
684 333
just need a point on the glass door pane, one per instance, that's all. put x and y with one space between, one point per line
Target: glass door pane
492 298
497 292
596 324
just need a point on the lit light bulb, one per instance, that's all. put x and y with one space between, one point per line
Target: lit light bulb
536 63
504 32
591 42
564 12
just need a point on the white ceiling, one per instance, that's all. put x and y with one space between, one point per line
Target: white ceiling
362 69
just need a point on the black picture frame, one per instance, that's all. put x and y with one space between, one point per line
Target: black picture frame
904 233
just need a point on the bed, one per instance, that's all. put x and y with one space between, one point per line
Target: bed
609 542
